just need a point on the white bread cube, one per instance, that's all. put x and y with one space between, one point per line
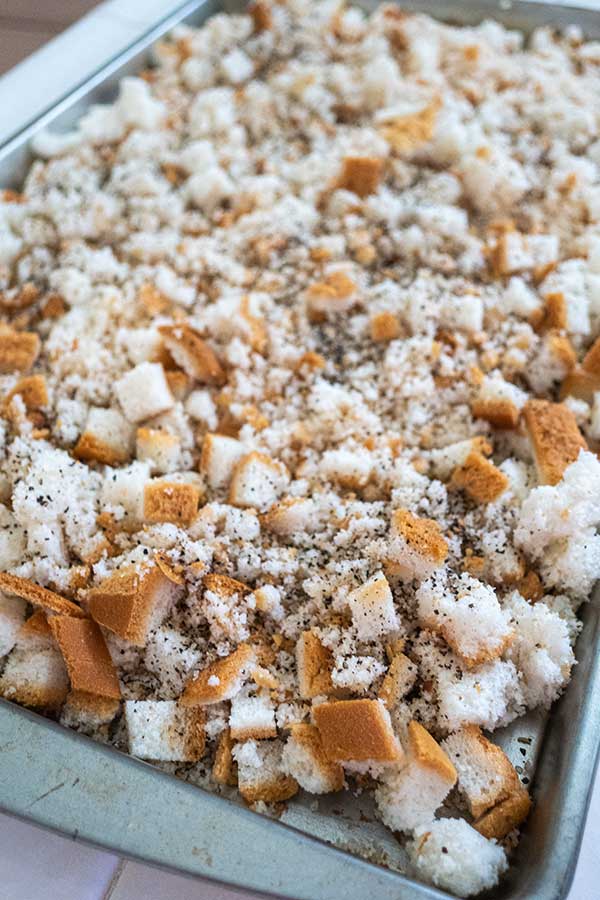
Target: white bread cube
467 613
261 776
552 362
450 854
38 679
124 489
267 600
199 405
252 716
143 392
88 712
305 760
171 658
446 459
372 607
257 481
499 402
409 796
416 548
12 616
160 449
290 516
220 454
107 437
482 696
162 730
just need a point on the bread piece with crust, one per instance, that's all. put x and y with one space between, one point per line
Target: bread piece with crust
18 350
360 175
107 438
88 711
132 603
224 770
314 665
372 607
499 402
12 617
555 438
38 596
252 716
398 681
497 822
304 758
163 730
479 478
220 454
171 501
357 730
160 448
192 353
257 481
221 680
86 656
36 678
417 547
260 773
33 391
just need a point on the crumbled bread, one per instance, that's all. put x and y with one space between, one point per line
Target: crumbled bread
467 613
555 438
499 402
107 438
446 459
12 617
36 678
38 596
33 391
384 327
220 455
360 175
160 448
450 854
221 680
314 664
417 547
18 350
171 501
260 773
407 130
257 481
86 657
224 769
306 761
192 353
252 716
290 516
162 730
132 604
399 680
143 392
408 797
88 711
171 657
358 730
335 294
479 478
496 823
372 607
485 774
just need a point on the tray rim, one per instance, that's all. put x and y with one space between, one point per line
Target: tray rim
553 880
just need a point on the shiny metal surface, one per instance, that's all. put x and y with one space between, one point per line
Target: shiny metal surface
64 781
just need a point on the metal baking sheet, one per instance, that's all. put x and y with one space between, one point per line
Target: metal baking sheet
325 851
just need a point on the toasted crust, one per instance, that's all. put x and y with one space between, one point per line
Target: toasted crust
48 697
224 586
179 383
428 753
229 673
164 564
309 738
509 814
192 353
361 175
101 710
357 730
530 586
591 360
555 438
18 350
224 770
38 596
398 680
86 656
562 349
124 602
275 789
152 440
422 535
581 384
261 15
91 448
555 312
36 626
33 391
171 501
479 478
405 133
314 664
499 413
384 327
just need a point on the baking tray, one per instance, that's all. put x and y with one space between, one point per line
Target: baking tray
58 779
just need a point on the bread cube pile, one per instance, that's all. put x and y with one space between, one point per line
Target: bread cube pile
300 413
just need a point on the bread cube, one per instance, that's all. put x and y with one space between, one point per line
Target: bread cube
86 656
290 516
18 350
357 730
33 391
88 712
360 175
143 392
220 454
306 761
399 680
163 730
257 481
409 796
221 680
479 478
507 815
555 438
12 616
192 353
107 438
417 547
450 854
35 678
224 770
124 489
384 327
35 633
337 293
499 402
252 716
446 459
260 772
486 776
133 603
372 607
314 665
160 449
171 501
554 359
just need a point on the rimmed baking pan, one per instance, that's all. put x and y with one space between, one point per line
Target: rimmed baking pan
59 779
